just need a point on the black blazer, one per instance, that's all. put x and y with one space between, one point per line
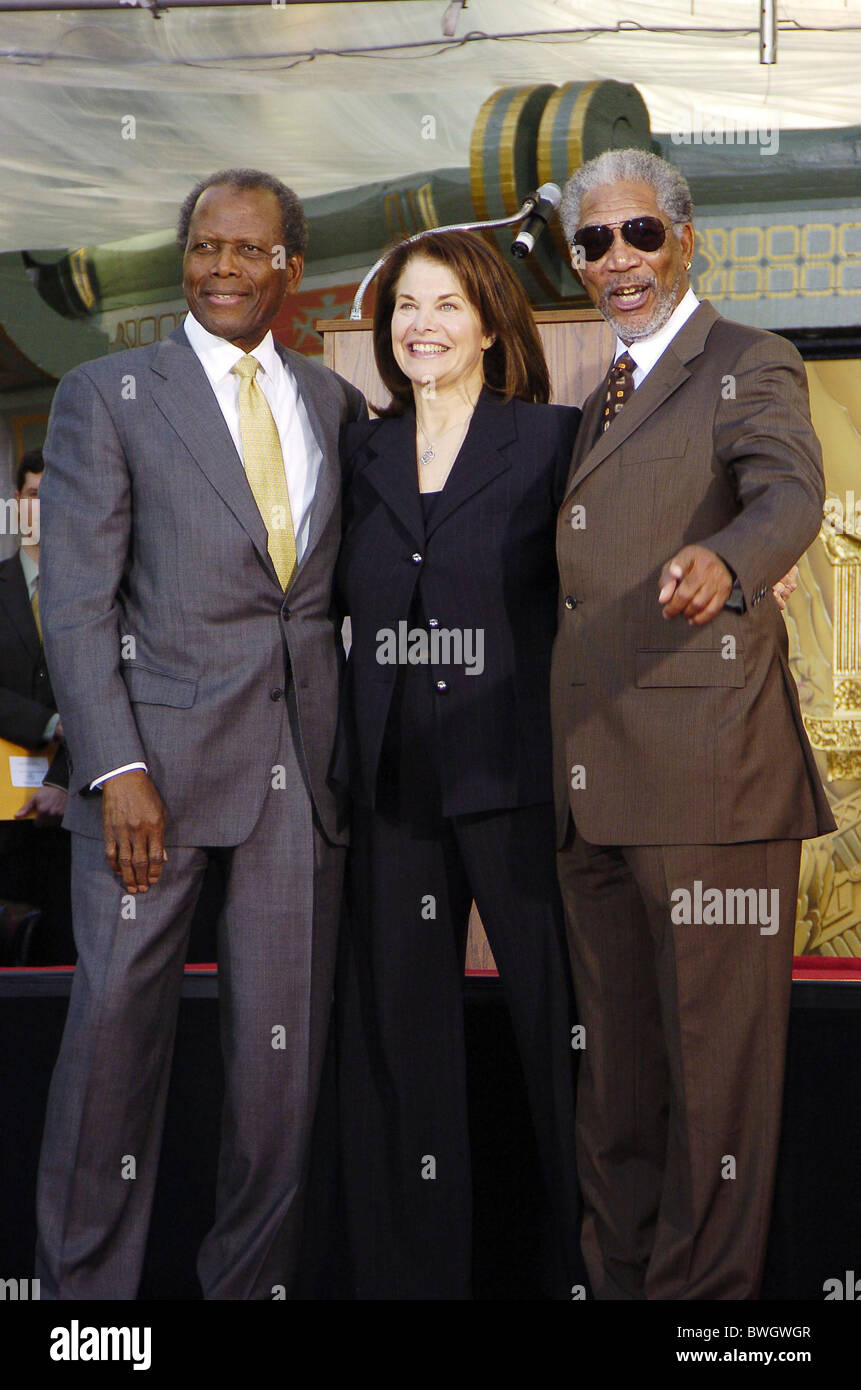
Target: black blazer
488 564
26 697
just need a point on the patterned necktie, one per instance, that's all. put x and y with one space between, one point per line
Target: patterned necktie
34 604
264 468
620 385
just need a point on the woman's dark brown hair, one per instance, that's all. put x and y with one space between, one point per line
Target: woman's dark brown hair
514 364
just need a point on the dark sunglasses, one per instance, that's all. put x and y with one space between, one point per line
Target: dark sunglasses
643 233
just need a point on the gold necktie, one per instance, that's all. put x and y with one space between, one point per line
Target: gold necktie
264 468
34 604
619 388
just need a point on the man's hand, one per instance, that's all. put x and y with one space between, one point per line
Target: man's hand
133 816
785 586
49 803
695 583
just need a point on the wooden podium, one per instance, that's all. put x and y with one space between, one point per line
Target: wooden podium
578 345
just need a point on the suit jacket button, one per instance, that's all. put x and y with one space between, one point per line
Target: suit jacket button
276 694
442 687
570 601
416 558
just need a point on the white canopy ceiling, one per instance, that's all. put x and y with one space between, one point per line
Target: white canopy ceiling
247 84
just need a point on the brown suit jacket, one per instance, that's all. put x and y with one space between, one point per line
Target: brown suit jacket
686 735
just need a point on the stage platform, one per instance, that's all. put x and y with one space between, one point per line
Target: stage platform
817 1209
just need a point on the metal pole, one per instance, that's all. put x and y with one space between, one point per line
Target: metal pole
767 31
157 6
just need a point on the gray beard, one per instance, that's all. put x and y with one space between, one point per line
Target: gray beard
665 305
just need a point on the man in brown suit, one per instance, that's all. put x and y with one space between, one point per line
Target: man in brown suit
684 779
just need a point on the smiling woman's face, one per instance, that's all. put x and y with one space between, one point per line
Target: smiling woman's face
232 278
437 338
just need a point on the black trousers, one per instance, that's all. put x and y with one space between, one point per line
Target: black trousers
400 1031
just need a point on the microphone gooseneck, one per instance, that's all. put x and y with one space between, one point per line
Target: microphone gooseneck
548 197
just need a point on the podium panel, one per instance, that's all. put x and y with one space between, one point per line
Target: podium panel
578 345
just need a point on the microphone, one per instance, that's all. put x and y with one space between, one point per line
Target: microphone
547 199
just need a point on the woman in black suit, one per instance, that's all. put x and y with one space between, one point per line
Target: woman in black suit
448 573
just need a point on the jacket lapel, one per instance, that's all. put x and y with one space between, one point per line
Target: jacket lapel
16 601
187 401
587 433
480 459
391 470
668 374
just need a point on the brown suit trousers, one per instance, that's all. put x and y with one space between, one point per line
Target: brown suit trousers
681 1078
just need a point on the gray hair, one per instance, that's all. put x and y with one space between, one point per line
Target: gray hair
627 166
294 228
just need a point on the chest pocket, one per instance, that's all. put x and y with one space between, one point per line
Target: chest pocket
644 454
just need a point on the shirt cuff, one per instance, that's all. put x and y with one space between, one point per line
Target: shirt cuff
735 602
106 776
48 731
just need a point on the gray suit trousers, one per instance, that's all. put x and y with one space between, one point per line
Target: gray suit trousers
105 1115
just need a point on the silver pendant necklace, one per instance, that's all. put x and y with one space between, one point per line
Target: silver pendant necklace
430 452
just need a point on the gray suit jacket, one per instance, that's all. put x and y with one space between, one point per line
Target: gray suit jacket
687 735
165 626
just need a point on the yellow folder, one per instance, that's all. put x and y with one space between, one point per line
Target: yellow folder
21 772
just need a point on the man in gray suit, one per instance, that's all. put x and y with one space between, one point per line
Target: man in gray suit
191 518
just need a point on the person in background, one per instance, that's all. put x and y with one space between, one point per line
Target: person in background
447 571
34 854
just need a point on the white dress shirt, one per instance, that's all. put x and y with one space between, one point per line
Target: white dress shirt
646 351
31 570
301 452
299 448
